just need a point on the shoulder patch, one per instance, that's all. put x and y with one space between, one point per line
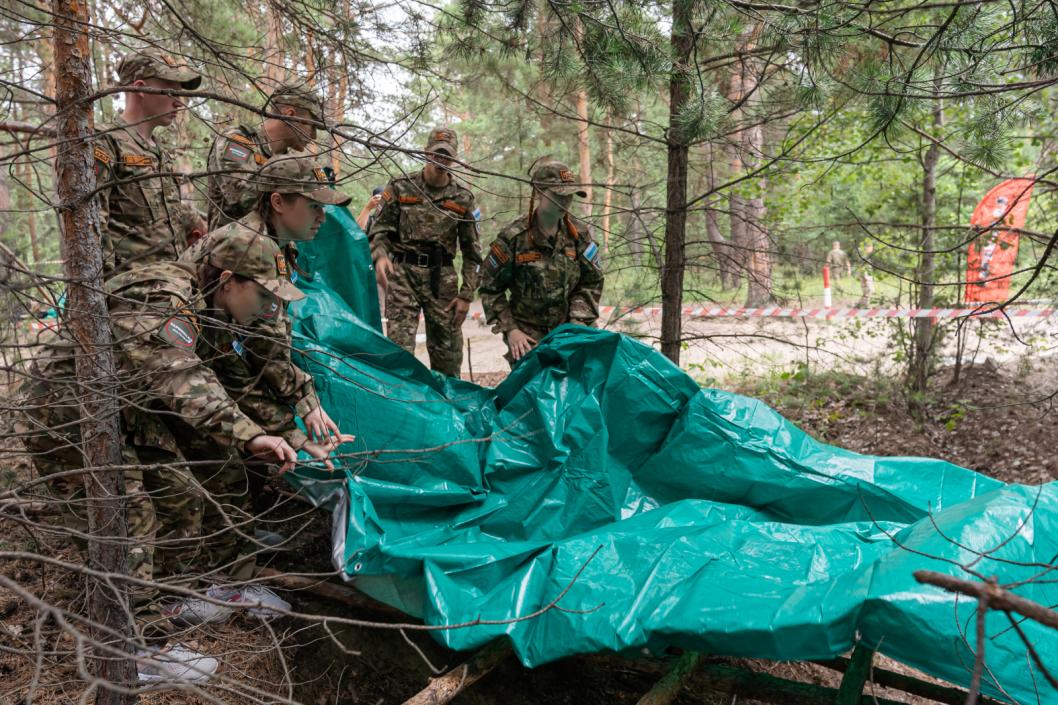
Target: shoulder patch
387 194
528 256
239 154
259 158
101 155
179 332
451 205
136 160
242 139
500 254
591 254
281 265
410 199
477 214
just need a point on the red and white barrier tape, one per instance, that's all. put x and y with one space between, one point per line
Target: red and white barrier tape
780 312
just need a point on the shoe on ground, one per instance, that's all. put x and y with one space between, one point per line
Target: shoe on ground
268 539
176 662
195 610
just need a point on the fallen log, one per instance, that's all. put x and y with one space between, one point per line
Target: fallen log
772 689
670 685
947 695
444 688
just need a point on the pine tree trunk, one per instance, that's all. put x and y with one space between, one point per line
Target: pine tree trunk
748 234
722 251
682 41
922 343
86 322
607 205
584 150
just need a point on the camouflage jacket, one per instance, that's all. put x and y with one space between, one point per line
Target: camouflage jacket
264 347
157 317
415 216
540 282
234 157
141 214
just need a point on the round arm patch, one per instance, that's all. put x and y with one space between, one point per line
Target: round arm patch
179 332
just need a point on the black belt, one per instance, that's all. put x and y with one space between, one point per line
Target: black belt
433 260
425 259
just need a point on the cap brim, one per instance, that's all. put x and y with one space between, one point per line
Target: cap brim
568 191
282 289
329 196
188 79
443 147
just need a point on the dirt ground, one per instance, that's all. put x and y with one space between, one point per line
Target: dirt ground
997 419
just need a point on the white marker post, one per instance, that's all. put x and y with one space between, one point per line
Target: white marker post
827 303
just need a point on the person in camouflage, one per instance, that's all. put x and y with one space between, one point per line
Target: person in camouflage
174 410
424 217
142 218
238 152
292 191
544 268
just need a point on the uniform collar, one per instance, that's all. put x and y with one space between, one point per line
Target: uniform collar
261 137
150 145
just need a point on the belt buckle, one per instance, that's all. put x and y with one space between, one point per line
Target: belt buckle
422 260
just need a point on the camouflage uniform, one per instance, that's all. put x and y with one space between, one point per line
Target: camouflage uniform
534 283
142 218
174 410
264 348
418 229
238 152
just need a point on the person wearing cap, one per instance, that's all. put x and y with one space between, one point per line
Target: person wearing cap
425 216
142 218
238 152
184 436
544 268
292 191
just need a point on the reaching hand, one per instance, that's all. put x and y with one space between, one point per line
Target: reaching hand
273 448
519 344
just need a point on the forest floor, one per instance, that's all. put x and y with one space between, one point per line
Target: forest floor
997 419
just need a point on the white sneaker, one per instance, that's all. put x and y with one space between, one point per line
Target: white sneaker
176 663
198 611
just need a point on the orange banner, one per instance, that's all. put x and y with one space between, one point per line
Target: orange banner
992 254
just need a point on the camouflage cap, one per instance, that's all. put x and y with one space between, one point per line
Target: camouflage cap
254 256
557 178
299 172
299 97
442 139
151 62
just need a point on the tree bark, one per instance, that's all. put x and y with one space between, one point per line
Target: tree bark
723 253
607 205
584 151
748 233
87 323
922 338
682 41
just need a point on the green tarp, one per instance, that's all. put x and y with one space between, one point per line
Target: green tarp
670 515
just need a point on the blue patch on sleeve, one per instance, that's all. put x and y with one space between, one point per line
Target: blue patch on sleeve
237 346
293 276
477 214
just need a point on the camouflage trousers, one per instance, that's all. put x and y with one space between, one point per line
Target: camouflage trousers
187 511
866 289
408 293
